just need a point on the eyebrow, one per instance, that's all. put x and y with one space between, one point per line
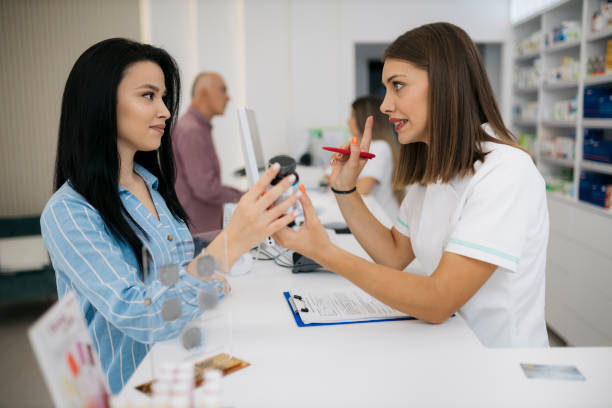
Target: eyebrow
392 77
151 87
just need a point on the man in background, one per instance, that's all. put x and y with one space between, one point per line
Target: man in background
198 173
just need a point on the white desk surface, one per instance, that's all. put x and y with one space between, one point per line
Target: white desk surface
385 364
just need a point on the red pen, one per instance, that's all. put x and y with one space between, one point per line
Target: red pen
363 155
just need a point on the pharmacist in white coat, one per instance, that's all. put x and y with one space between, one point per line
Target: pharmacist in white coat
475 214
376 177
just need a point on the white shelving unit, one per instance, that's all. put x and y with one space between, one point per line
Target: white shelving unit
546 93
579 266
592 123
561 85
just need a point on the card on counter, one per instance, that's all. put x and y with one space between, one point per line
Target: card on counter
552 372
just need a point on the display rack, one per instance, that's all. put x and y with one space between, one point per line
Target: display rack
545 92
578 275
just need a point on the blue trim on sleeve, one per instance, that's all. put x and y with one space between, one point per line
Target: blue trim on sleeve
402 222
485 249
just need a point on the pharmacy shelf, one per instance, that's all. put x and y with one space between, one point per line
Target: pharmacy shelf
559 123
594 123
531 90
597 167
525 122
527 57
597 80
555 5
527 20
598 35
564 198
573 219
552 86
557 161
595 208
564 45
561 197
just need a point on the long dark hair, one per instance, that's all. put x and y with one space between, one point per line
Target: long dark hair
369 105
460 100
87 155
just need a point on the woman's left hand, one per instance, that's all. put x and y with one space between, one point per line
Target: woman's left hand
310 239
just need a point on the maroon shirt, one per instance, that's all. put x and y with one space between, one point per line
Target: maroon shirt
198 174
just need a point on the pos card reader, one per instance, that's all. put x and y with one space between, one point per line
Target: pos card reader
302 264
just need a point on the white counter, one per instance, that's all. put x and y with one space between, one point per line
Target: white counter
384 364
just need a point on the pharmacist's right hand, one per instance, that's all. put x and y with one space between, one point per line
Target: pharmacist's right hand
255 217
346 168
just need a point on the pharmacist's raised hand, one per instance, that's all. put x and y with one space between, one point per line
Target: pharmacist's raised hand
346 168
256 218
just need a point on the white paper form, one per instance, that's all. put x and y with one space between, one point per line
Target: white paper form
345 305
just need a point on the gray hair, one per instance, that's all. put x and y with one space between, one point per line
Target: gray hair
197 81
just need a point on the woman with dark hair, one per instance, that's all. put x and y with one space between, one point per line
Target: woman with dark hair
376 178
475 214
114 200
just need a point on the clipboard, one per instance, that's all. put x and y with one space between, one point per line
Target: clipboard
300 323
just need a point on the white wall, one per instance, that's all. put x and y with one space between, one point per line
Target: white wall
207 35
220 31
180 40
325 32
290 60
293 60
269 84
39 43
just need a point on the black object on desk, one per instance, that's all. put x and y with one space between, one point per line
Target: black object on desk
302 264
338 227
241 172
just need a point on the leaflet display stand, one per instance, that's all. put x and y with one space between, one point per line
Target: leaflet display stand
193 313
67 357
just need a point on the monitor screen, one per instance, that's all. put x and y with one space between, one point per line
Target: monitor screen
251 146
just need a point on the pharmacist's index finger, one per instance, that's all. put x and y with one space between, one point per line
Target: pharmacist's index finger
367 134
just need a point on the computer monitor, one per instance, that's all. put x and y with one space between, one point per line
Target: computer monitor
251 146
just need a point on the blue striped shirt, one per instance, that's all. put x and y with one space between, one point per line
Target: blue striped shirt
105 275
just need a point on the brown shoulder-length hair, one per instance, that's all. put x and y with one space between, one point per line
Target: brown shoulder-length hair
460 100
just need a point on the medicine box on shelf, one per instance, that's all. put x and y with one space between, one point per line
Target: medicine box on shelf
596 147
595 188
598 102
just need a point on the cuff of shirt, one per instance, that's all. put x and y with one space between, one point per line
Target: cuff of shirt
197 283
483 253
402 227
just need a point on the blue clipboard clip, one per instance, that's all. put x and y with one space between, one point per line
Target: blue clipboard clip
295 312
